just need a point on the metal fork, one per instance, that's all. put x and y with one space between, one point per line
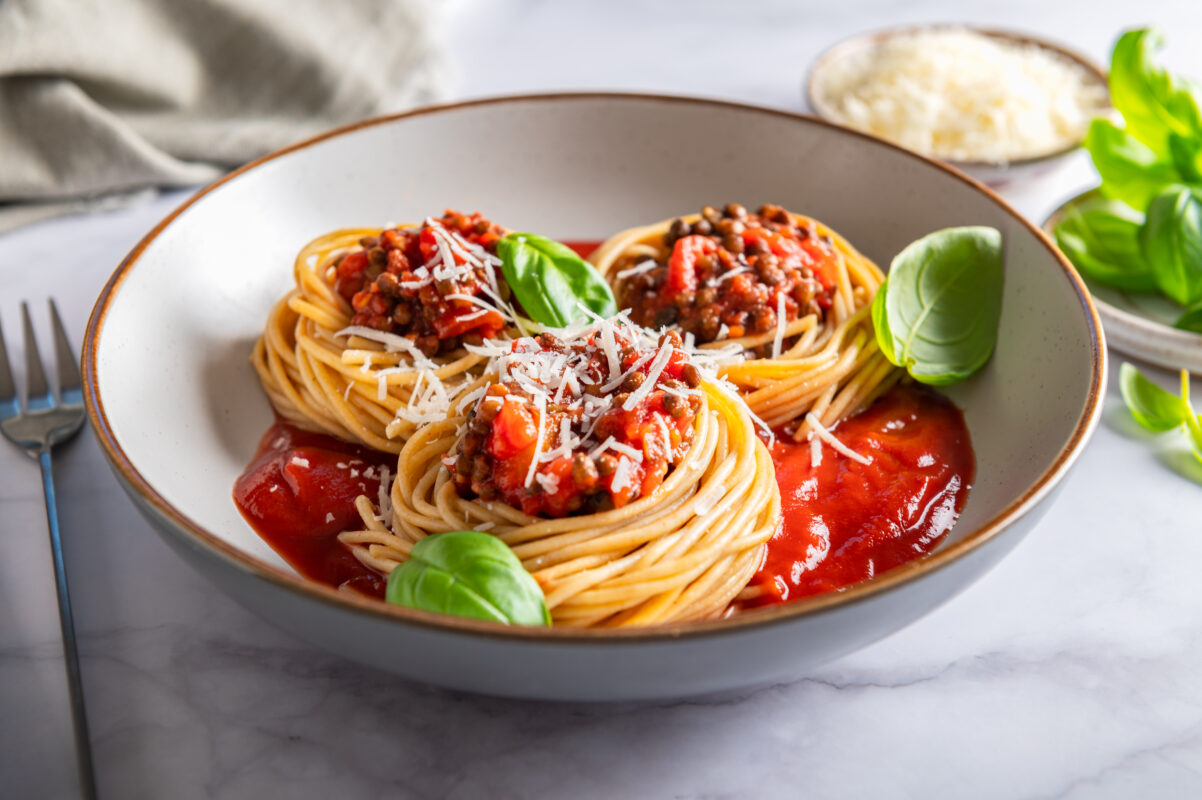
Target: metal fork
44 421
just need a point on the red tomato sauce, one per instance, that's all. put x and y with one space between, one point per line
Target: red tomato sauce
299 493
845 522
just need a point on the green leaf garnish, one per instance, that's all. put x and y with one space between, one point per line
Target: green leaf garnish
1159 410
551 281
937 313
1191 320
1154 102
1152 161
1152 407
1101 237
1171 241
468 574
1131 171
1186 153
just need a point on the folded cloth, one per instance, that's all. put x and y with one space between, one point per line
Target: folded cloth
102 96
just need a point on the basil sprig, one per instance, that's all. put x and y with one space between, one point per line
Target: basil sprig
551 281
468 574
1158 410
1151 169
1101 237
1171 240
937 313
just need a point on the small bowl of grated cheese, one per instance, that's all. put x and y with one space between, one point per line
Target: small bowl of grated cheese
997 105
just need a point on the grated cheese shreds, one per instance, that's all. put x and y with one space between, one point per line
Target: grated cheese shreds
818 431
780 325
392 344
540 403
611 443
470 398
956 94
638 269
556 377
622 475
653 372
429 400
548 483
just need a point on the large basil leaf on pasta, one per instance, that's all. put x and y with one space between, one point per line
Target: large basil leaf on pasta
551 281
1171 239
468 574
1101 238
937 313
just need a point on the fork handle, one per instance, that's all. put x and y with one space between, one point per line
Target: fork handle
83 747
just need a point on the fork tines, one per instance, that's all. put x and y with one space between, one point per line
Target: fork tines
38 393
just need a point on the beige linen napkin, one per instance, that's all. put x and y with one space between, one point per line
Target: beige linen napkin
104 96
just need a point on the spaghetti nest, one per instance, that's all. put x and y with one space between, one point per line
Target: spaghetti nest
355 372
809 345
681 551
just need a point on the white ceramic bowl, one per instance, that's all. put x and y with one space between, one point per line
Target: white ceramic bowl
996 175
178 409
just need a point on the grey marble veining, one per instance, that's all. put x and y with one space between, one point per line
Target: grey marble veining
1071 671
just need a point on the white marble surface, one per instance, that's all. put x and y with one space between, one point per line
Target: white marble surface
1071 671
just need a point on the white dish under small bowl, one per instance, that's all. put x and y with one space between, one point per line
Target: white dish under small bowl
993 174
178 409
1140 325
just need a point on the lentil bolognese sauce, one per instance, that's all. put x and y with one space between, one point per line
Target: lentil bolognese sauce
732 439
787 291
413 283
617 427
370 342
729 272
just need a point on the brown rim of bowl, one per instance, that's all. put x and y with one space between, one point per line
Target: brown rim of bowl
874 38
1110 312
213 547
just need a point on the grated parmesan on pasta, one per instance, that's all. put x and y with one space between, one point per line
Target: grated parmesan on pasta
956 94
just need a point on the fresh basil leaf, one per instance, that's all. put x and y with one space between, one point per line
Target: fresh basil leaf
1152 407
1101 238
1191 320
468 574
551 281
1154 103
1171 240
1130 170
880 325
1186 153
937 312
